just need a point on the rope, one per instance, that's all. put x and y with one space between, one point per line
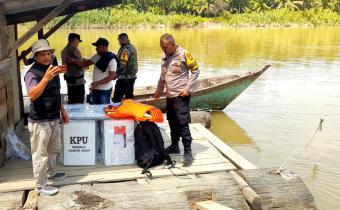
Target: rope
206 110
288 174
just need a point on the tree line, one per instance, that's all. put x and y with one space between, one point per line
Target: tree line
214 8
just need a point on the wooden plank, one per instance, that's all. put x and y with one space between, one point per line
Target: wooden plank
48 34
227 151
32 201
160 193
40 32
3 103
210 205
3 34
11 200
40 25
2 150
23 173
20 14
10 103
5 67
3 124
110 176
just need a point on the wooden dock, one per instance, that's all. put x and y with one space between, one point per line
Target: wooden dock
208 184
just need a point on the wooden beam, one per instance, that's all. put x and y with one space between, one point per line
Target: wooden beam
58 25
249 194
41 24
41 33
75 7
209 205
48 34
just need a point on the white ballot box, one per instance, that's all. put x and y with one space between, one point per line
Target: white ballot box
118 142
79 139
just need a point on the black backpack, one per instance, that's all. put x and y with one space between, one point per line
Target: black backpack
149 147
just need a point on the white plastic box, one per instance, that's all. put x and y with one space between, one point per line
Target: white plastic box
118 142
80 142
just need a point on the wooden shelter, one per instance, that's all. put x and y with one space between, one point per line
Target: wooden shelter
12 13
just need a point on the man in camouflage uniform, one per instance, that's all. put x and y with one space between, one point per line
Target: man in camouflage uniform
75 74
177 64
127 70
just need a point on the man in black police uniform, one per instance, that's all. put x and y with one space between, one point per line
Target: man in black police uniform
179 75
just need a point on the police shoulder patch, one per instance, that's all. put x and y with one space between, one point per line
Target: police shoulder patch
190 61
124 56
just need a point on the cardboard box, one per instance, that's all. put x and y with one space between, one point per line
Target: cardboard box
118 142
80 142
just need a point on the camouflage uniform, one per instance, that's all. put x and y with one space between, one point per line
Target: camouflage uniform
127 72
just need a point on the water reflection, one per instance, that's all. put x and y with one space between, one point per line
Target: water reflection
228 130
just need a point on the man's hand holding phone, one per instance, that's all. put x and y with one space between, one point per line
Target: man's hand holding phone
62 69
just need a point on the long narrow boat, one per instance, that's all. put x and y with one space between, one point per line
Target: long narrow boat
211 93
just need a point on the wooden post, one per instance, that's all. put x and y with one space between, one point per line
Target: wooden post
250 195
3 35
55 12
40 33
32 201
48 34
21 101
201 117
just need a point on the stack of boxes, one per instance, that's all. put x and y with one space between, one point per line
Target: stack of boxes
90 134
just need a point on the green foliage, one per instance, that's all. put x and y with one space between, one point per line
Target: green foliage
193 13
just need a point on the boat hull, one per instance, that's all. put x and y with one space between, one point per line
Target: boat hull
216 97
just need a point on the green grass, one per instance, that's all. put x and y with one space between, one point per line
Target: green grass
113 17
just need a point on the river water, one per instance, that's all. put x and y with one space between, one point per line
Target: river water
279 112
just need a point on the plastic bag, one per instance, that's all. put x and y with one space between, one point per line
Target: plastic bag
15 148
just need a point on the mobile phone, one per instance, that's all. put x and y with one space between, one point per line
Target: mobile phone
62 68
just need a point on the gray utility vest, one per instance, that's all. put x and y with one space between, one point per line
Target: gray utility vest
47 106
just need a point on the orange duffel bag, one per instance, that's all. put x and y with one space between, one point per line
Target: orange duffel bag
130 109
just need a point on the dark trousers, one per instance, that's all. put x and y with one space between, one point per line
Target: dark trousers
76 94
178 114
123 87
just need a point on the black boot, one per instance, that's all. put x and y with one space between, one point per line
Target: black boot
188 159
173 149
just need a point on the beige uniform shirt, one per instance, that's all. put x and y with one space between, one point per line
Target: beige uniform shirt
179 72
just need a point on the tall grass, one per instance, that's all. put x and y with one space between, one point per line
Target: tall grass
113 18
